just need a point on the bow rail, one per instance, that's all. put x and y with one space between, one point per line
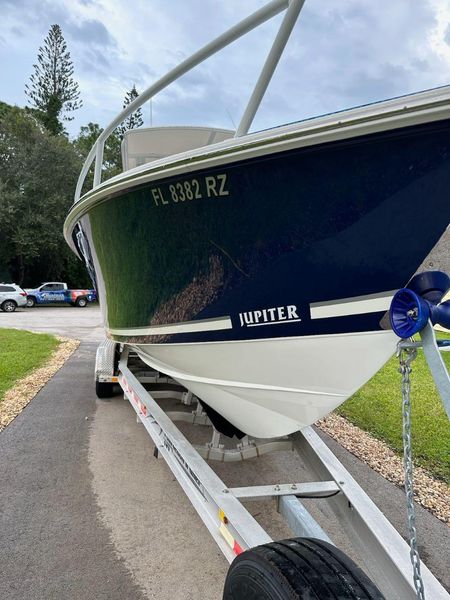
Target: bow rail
273 8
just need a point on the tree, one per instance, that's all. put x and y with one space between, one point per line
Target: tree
38 173
135 119
52 89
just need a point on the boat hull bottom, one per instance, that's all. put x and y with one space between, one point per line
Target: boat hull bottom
270 388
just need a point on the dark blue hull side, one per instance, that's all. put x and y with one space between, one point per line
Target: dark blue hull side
339 220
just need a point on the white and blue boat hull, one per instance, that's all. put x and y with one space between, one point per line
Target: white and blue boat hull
258 271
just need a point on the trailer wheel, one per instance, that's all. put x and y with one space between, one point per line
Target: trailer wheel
297 569
81 302
104 389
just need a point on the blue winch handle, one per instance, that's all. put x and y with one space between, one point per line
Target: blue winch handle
413 306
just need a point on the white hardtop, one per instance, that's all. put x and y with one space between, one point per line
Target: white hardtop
144 145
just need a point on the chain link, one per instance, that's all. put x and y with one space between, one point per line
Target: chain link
406 356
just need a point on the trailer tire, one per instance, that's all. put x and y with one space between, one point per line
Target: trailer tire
81 302
104 389
297 569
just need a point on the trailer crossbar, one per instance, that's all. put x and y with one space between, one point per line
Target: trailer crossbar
316 489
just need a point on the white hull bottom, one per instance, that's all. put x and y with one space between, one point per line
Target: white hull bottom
273 387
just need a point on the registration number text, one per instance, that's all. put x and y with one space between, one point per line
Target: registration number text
210 186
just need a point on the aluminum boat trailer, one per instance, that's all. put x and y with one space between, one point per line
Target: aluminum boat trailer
385 554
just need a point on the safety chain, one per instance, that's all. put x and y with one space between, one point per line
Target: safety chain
406 356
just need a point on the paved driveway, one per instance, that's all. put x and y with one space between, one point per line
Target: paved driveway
88 513
81 323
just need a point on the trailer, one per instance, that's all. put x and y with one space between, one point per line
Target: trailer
298 567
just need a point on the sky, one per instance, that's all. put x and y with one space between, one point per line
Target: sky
341 54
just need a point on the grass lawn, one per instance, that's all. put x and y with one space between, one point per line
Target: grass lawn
20 353
377 408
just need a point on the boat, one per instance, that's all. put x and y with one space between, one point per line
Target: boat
257 269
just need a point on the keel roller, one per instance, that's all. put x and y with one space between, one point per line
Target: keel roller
413 306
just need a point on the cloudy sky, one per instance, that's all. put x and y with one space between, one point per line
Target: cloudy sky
341 54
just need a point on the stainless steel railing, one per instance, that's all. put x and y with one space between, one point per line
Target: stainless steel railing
292 7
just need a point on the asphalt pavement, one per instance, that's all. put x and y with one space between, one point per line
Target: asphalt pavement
52 541
71 321
87 512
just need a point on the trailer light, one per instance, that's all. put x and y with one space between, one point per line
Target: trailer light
237 549
222 516
230 540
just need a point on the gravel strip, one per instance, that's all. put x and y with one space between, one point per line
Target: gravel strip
26 389
433 494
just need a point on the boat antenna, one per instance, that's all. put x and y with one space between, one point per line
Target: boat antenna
231 118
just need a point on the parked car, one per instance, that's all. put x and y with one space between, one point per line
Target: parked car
11 296
55 291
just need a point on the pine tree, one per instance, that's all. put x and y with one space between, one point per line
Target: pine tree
52 89
135 119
